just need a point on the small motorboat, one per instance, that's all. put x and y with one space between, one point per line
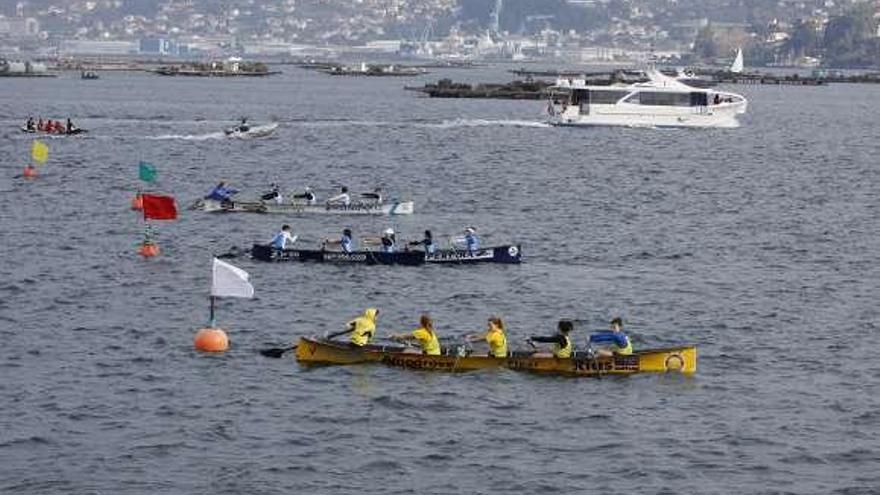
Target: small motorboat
251 131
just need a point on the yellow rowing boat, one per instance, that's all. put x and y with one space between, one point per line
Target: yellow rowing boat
678 359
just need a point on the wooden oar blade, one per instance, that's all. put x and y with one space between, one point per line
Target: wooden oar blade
276 352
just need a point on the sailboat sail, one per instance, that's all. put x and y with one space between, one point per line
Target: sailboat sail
737 66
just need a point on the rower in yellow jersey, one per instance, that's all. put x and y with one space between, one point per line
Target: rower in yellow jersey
424 335
494 336
562 345
361 328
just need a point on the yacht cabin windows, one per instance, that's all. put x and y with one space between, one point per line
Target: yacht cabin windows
597 96
584 97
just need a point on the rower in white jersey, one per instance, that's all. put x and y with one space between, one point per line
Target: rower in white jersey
342 198
283 239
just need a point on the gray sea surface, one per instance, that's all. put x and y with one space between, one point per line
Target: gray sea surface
759 245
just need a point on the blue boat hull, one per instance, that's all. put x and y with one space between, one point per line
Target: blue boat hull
500 254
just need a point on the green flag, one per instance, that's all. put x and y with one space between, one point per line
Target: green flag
147 172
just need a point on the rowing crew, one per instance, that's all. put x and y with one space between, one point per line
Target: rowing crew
285 238
50 126
606 343
223 193
390 244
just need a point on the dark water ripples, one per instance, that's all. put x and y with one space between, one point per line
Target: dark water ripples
759 245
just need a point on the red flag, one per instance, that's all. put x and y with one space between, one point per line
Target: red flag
159 207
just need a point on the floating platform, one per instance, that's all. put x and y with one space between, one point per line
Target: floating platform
368 70
516 90
173 71
794 80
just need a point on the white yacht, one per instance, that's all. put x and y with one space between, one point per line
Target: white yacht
662 101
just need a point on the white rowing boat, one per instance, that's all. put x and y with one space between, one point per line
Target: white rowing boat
359 208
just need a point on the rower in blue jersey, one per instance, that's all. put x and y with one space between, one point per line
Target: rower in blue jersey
428 242
283 238
346 242
613 341
389 241
222 193
471 241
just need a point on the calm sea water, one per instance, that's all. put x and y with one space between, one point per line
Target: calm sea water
760 245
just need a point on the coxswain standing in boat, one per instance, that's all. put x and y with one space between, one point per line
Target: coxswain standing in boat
562 345
389 241
244 127
362 328
222 193
30 124
494 336
424 335
346 242
70 127
343 198
613 341
427 242
283 238
309 196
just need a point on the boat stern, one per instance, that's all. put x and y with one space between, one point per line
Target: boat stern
400 208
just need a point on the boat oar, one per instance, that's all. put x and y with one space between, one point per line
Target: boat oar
234 252
277 352
337 334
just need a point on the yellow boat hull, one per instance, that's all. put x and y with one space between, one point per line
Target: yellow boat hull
674 359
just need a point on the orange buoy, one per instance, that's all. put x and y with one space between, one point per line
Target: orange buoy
137 202
148 250
30 172
211 340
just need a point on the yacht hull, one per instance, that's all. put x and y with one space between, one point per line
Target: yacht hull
643 116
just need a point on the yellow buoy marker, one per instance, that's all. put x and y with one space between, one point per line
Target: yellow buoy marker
39 151
227 281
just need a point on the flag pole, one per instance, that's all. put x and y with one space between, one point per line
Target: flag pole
213 322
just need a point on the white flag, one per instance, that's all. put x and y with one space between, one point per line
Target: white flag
230 281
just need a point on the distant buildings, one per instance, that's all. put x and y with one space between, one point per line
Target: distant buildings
19 27
162 46
87 47
586 30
